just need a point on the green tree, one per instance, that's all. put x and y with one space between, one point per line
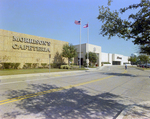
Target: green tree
92 57
137 27
133 59
144 49
69 51
144 58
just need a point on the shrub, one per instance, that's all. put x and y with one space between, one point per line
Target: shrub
84 64
74 66
102 63
27 65
65 67
34 65
16 65
43 65
10 65
53 65
6 65
106 63
126 63
24 66
62 67
1 65
57 65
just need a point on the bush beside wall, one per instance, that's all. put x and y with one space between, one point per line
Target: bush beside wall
69 67
9 65
27 65
106 63
16 65
64 67
35 65
44 65
57 65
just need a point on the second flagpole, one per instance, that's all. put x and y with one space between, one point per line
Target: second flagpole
88 45
80 44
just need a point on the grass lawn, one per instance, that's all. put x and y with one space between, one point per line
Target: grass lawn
30 71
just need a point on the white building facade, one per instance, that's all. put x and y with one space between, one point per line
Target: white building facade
114 59
103 58
85 48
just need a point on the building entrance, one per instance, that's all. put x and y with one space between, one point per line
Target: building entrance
81 61
116 63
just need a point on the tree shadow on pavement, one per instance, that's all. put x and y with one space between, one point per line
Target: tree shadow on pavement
119 74
67 103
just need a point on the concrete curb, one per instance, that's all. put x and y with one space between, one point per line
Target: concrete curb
136 111
47 74
37 74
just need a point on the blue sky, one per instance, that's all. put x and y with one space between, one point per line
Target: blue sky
55 19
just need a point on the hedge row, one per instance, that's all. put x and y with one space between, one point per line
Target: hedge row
10 65
69 67
105 63
43 65
29 65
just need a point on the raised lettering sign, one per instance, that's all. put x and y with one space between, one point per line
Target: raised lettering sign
119 57
30 41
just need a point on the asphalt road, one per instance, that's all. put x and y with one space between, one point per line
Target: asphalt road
101 94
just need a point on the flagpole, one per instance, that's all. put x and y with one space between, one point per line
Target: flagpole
88 45
80 44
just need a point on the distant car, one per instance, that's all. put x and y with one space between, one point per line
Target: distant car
141 65
138 65
144 65
147 65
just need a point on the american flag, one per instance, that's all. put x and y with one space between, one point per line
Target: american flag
77 22
85 26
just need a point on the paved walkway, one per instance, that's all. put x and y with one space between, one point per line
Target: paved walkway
48 74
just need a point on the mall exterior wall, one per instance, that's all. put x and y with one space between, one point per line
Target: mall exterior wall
88 48
103 58
121 58
108 57
24 48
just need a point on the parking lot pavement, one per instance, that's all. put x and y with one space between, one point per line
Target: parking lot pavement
140 110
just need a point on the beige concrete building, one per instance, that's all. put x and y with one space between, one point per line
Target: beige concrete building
23 48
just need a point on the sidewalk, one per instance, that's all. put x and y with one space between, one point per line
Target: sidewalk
137 111
47 74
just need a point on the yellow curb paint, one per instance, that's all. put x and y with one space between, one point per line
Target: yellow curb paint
52 90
